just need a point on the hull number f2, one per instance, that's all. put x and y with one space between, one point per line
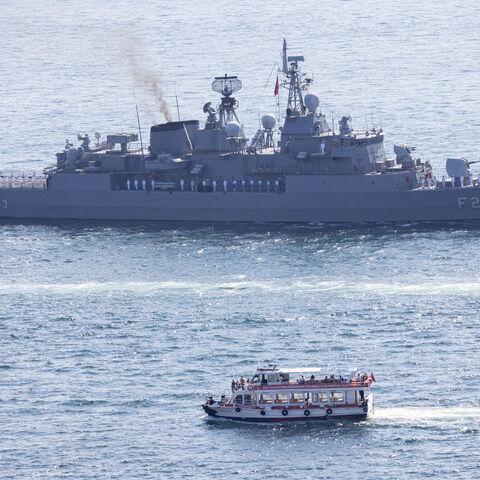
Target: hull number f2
473 202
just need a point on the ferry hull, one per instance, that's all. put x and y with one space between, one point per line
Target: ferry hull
275 416
455 204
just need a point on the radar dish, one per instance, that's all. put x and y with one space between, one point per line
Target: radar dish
226 85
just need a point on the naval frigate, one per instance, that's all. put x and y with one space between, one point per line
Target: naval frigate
313 172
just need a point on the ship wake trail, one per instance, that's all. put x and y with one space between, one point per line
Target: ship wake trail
145 78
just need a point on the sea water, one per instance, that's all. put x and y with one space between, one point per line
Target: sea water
112 334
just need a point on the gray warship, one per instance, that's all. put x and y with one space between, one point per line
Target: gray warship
307 171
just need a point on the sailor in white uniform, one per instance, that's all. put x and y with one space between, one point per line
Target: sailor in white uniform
277 186
135 182
152 183
214 185
128 184
182 184
225 186
443 181
243 185
453 181
144 184
435 181
429 182
423 182
234 184
471 180
252 185
268 186
259 185
461 180
322 147
192 185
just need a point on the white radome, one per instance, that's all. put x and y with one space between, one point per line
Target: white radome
233 129
268 121
312 101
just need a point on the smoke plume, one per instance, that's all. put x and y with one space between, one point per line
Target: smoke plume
145 78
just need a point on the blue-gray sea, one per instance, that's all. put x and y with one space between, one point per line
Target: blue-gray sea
112 334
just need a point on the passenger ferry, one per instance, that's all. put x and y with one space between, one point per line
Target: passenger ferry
297 394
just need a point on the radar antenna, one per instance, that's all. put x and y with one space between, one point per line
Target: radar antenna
226 86
295 82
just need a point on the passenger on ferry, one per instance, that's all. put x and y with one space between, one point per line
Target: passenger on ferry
234 385
302 379
325 380
312 379
210 401
242 382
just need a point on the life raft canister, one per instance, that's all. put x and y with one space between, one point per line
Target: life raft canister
306 413
262 412
365 409
284 412
237 409
329 411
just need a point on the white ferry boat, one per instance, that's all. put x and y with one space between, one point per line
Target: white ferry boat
297 394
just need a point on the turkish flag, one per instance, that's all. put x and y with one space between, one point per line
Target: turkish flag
372 377
275 92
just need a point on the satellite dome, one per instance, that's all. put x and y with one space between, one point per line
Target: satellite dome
233 129
312 101
268 121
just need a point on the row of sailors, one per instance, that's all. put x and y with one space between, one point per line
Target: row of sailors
14 181
429 182
235 186
213 186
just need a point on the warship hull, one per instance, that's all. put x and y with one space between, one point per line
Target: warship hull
450 204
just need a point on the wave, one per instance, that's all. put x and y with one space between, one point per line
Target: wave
245 287
419 415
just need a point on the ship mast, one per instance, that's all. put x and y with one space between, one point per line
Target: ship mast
295 105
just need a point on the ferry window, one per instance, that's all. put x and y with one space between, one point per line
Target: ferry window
336 396
265 398
281 398
272 378
296 397
320 397
284 377
255 379
250 399
238 399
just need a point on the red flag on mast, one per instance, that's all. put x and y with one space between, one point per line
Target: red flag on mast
372 377
275 92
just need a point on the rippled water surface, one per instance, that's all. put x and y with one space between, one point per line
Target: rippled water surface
112 335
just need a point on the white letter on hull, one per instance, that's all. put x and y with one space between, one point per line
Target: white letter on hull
461 201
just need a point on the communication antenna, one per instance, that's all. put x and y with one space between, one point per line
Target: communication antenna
97 136
371 116
139 131
176 100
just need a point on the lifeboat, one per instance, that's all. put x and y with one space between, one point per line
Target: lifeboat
296 394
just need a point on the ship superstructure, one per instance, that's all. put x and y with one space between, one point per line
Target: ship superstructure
213 172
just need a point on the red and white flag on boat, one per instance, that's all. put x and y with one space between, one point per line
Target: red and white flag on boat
275 92
372 377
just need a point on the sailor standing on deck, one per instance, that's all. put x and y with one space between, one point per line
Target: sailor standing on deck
225 186
214 185
268 186
128 184
252 185
135 182
243 185
182 184
461 180
453 181
192 185
234 184
443 181
144 184
322 147
277 186
152 183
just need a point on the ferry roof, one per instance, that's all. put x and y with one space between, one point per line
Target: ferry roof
299 370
